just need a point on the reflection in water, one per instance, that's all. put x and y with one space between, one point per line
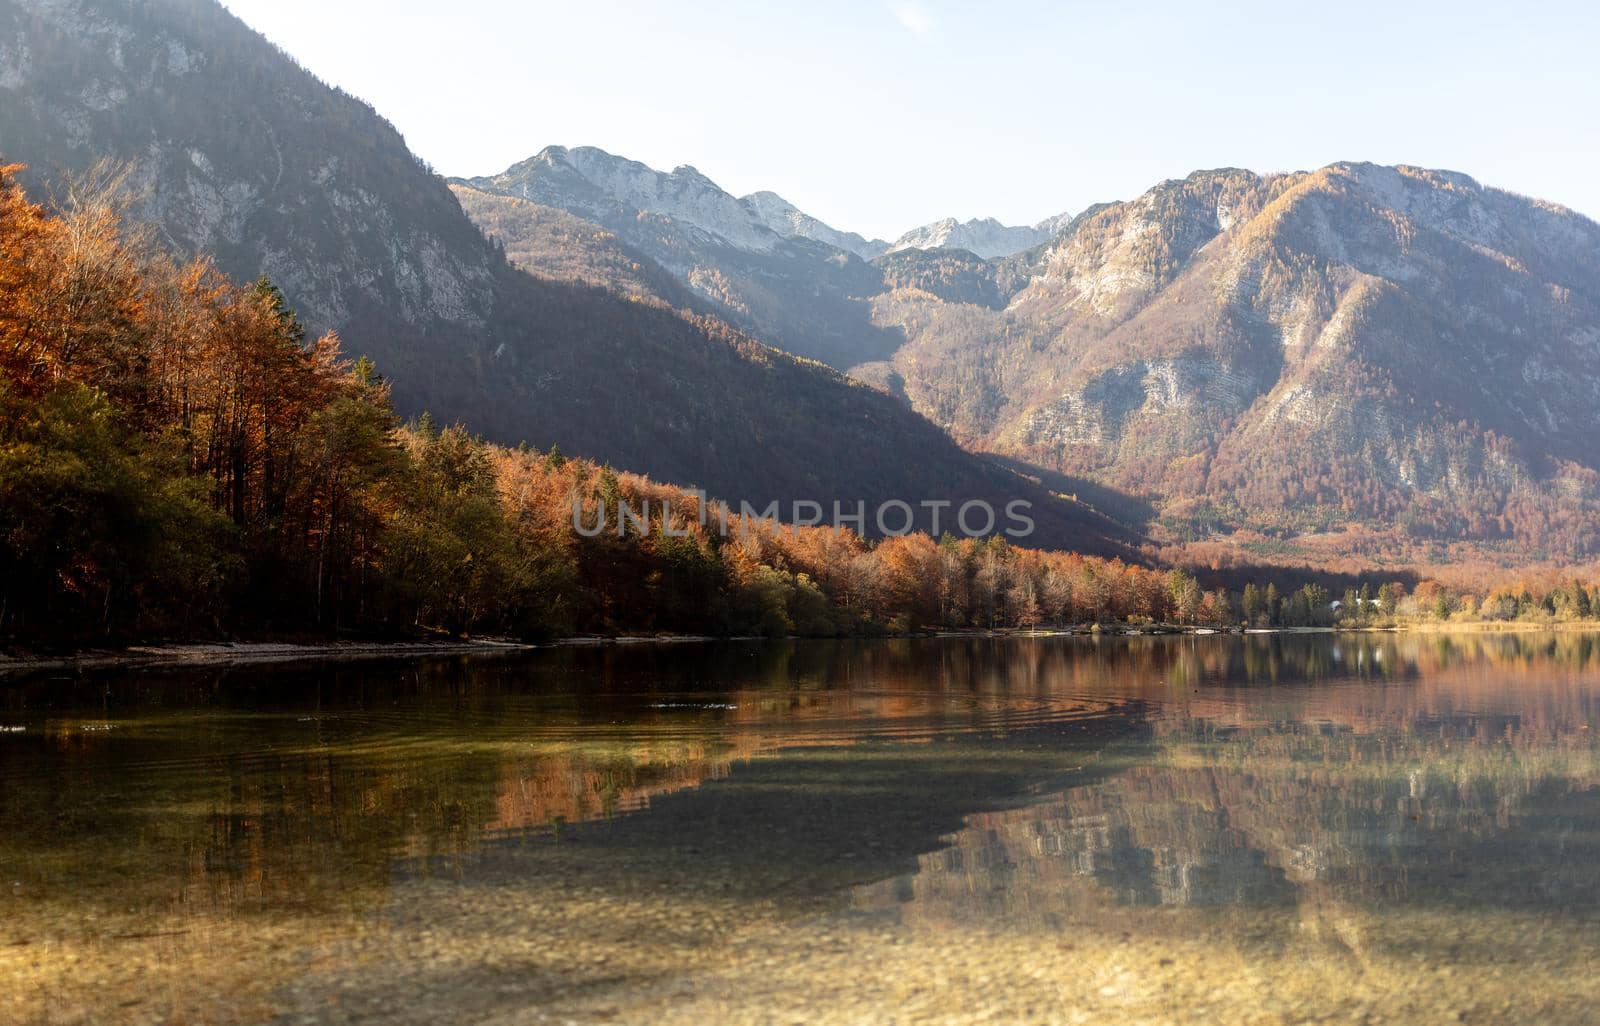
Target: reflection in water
641 833
1279 813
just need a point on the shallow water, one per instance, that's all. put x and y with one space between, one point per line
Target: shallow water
1263 829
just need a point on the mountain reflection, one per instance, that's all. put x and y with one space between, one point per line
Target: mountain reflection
1477 783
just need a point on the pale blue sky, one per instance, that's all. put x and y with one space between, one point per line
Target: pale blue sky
880 115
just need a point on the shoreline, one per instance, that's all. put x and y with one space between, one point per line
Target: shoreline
240 653
1492 627
232 653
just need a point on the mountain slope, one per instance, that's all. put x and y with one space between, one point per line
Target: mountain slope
799 292
1360 344
242 153
556 246
791 222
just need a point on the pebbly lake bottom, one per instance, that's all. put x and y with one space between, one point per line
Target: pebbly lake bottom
1272 829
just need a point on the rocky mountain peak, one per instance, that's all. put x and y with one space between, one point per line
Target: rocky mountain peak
602 186
690 173
985 237
760 261
592 183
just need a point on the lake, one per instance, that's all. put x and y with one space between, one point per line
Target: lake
1261 829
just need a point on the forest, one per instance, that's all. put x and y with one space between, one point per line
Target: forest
178 460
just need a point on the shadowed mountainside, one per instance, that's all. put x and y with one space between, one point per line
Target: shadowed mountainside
241 153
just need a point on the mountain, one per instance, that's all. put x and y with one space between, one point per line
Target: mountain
763 265
241 153
1050 227
1388 347
952 275
602 187
1353 349
987 238
791 222
556 246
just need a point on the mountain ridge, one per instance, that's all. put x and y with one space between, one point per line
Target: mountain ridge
788 220
1357 344
796 291
984 237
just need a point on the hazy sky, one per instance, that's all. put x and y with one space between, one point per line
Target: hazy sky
878 116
